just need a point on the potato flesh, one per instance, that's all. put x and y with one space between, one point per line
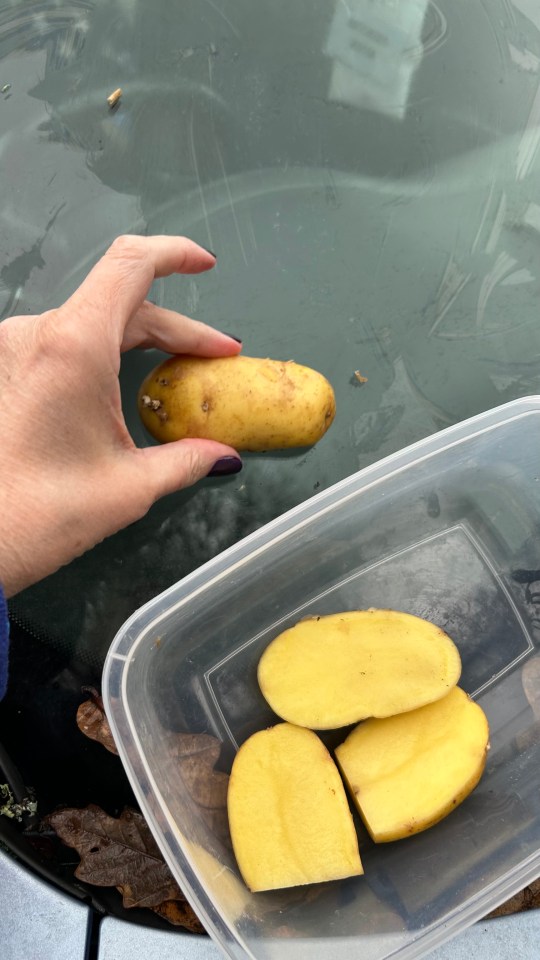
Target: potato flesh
329 672
288 812
406 773
246 402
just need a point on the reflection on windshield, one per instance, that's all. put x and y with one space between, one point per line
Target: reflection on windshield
376 49
367 174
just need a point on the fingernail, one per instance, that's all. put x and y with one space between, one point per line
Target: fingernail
226 466
211 252
238 340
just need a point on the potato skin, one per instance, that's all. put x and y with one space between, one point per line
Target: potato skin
249 403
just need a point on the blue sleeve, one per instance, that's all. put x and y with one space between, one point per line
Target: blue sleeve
4 643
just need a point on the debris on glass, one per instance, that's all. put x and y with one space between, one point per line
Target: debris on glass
114 97
9 806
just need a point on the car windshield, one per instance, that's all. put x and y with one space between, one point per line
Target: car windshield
368 175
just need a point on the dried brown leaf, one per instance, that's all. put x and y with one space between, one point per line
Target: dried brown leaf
207 786
122 853
117 852
91 721
217 821
530 677
526 899
180 914
197 754
194 744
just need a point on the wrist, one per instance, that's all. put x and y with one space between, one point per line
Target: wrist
22 541
14 571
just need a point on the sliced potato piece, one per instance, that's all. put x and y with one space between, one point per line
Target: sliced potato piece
332 671
406 773
289 817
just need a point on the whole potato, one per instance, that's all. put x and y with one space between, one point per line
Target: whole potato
246 402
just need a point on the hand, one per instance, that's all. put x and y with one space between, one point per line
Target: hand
70 474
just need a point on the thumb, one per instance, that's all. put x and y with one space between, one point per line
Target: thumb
180 464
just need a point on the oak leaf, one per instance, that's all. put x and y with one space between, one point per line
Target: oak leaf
121 852
197 754
180 914
91 721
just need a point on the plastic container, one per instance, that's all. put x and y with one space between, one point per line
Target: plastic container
448 529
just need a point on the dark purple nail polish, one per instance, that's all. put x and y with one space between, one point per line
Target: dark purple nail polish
226 466
238 340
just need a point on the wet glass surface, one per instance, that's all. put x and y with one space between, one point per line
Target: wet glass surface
368 174
369 182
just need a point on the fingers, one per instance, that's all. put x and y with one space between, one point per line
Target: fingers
120 281
172 332
174 466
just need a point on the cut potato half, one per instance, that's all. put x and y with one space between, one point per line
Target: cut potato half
289 816
328 672
406 773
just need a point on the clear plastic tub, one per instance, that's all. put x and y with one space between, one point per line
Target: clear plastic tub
448 529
